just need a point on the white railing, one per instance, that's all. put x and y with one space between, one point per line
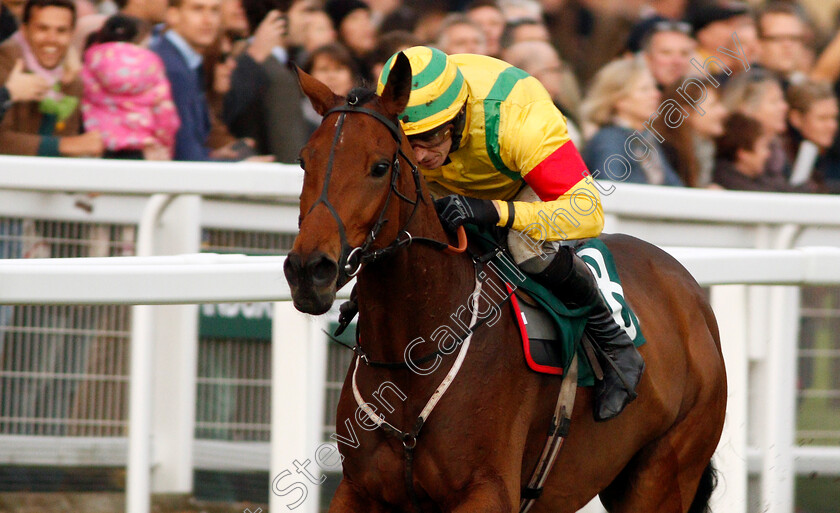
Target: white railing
139 178
213 278
231 276
663 215
161 280
35 187
669 216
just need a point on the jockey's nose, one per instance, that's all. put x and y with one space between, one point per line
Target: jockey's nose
422 154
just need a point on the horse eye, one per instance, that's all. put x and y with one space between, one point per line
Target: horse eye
379 169
300 163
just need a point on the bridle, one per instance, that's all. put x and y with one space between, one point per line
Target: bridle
353 259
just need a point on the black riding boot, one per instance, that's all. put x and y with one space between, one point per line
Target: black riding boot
571 281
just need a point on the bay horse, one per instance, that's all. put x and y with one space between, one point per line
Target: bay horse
362 211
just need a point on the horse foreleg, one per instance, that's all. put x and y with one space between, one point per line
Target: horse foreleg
489 495
348 500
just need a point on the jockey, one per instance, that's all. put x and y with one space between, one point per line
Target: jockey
495 152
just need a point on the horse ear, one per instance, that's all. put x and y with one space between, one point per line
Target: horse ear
321 96
398 89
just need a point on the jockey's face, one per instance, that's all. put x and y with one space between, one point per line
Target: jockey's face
431 149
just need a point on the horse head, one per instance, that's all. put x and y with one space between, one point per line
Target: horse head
355 197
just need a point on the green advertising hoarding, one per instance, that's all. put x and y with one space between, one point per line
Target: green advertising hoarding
236 320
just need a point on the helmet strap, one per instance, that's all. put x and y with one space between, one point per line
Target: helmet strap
458 123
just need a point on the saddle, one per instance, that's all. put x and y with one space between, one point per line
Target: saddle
539 335
551 333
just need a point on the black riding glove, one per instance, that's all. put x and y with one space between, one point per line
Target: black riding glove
455 210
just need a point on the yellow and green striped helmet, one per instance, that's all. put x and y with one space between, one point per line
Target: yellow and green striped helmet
438 90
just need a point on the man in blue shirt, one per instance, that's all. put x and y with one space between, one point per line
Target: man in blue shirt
193 27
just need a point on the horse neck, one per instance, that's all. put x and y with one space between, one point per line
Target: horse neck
412 292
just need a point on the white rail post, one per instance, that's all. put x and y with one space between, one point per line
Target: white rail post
777 466
294 436
138 474
729 303
315 392
137 487
175 359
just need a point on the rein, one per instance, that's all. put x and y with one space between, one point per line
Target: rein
353 259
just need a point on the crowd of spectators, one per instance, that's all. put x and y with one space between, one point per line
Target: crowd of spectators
698 93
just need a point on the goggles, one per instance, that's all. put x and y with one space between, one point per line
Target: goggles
431 138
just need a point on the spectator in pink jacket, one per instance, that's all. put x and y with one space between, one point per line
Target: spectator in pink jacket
127 96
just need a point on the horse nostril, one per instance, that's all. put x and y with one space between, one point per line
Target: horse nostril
323 270
292 269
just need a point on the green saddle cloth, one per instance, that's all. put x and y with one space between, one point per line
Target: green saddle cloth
570 322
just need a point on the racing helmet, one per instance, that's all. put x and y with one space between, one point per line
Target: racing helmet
438 89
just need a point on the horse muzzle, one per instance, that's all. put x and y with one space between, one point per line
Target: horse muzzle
312 280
